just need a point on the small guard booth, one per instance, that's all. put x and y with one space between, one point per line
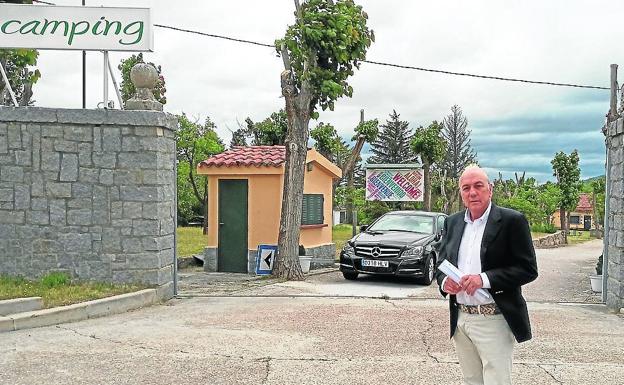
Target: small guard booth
244 205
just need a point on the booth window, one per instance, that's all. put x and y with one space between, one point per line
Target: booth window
575 220
312 210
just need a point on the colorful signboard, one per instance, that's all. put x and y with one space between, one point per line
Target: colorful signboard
76 28
392 183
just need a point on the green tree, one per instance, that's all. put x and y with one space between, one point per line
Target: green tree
392 145
568 173
127 88
238 138
320 52
195 143
429 144
269 132
598 200
459 153
19 66
548 199
326 140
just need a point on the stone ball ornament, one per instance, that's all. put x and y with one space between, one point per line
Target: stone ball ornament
144 77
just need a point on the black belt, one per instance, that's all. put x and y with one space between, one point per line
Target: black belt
487 309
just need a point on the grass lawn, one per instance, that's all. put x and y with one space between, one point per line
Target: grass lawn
56 289
190 241
576 236
341 234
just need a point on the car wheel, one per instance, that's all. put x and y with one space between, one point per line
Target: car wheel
428 278
351 276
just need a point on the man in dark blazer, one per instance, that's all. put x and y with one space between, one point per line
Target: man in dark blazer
492 246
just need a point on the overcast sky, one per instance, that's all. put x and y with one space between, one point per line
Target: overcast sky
515 127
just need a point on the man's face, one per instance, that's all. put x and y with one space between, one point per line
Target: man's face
475 192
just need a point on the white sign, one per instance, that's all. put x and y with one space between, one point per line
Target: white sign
265 259
76 28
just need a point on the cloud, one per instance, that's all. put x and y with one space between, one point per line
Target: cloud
515 126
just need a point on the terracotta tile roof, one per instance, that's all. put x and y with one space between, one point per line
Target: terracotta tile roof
248 156
584 203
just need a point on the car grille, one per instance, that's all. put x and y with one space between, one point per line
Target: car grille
385 251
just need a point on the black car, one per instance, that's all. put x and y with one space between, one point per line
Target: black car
399 243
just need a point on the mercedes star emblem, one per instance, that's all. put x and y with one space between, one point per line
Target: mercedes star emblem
376 252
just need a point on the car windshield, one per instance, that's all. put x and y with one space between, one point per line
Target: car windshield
412 223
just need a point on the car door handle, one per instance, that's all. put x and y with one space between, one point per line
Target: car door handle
221 223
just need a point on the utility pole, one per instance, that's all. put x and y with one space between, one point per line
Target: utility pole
84 74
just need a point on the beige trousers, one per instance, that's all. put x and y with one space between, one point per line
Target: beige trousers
484 345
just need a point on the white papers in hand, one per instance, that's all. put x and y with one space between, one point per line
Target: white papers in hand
455 274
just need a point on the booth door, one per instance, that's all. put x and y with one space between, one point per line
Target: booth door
232 252
587 222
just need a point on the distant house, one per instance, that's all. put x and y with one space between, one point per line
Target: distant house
244 206
582 218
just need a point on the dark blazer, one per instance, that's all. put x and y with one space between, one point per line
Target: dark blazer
508 259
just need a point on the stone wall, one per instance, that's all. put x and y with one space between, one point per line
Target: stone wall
548 241
615 175
88 192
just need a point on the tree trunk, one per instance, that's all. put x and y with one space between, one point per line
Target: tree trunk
349 164
443 192
426 168
298 113
562 216
595 212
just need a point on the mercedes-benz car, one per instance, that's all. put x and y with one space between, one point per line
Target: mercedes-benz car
399 243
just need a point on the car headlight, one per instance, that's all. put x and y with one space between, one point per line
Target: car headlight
413 252
348 250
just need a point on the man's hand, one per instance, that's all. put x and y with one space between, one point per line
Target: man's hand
471 283
451 287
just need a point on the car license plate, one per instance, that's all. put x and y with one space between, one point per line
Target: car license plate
374 263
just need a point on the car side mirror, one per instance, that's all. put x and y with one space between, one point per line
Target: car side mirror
363 228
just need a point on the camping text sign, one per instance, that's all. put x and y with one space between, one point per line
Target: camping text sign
75 28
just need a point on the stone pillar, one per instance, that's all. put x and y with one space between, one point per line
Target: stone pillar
88 192
615 177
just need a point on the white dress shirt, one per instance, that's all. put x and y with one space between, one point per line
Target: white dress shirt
469 258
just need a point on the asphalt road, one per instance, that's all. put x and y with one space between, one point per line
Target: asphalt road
252 332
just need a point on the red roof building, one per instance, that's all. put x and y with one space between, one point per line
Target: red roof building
585 203
581 218
244 206
248 156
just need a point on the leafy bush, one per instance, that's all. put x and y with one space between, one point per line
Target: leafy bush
55 279
599 265
548 228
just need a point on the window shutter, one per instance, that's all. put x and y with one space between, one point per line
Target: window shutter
312 209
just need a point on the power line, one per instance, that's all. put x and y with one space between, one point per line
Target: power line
485 76
380 63
216 36
399 65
